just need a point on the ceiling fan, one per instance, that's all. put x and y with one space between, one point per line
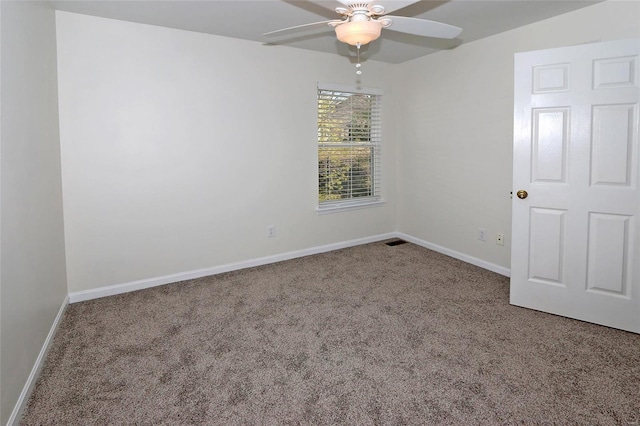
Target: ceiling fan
363 21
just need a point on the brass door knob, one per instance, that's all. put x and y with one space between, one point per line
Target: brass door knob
522 194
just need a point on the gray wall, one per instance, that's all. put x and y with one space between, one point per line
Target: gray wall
32 261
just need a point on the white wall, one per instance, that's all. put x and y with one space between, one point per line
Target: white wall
32 277
180 148
455 126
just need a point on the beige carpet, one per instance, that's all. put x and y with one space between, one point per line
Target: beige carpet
366 335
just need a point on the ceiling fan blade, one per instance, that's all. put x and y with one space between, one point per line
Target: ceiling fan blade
304 27
423 27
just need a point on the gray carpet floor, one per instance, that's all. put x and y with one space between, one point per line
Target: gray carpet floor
366 335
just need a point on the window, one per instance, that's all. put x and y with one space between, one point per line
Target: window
349 145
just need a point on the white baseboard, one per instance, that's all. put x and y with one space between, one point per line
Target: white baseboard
111 290
16 414
456 254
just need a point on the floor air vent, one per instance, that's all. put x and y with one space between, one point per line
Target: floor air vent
396 242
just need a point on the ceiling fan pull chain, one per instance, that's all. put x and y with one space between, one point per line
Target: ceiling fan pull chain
358 65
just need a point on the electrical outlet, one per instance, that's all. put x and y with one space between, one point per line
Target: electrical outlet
500 239
482 234
271 231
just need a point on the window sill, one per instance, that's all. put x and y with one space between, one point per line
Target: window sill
342 207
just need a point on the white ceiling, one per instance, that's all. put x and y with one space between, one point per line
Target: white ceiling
248 20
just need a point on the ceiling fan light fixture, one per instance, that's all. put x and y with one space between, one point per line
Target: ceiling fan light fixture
355 32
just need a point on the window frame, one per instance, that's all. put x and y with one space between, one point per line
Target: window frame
375 143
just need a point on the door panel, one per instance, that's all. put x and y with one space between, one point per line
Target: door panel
608 259
612 144
575 238
615 72
546 252
550 139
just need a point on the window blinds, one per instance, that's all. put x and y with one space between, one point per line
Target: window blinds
349 147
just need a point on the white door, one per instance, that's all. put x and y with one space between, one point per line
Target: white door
575 237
